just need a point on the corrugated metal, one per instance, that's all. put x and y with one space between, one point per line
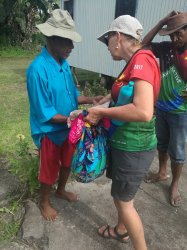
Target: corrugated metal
149 12
94 17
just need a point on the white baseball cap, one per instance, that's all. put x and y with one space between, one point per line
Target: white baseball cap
125 24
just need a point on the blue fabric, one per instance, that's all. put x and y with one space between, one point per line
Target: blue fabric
51 91
171 132
89 160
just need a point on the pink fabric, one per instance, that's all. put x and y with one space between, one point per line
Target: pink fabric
106 122
76 129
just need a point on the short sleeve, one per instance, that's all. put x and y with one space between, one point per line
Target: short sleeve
144 67
40 103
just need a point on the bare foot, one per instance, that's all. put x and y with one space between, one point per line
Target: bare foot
69 196
175 198
155 177
48 212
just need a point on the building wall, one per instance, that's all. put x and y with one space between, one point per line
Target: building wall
92 18
149 12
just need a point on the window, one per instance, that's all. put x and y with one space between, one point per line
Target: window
125 7
68 5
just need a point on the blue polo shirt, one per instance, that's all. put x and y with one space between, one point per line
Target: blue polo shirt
51 91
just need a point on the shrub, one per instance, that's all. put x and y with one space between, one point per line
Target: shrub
25 165
94 89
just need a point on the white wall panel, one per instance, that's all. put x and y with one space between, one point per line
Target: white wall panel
93 17
149 12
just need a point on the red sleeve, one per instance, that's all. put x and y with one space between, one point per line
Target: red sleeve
145 67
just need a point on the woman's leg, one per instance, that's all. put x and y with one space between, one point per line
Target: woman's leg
130 218
119 232
126 179
120 226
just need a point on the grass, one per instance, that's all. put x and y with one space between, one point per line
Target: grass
11 51
8 230
9 227
14 111
14 106
14 119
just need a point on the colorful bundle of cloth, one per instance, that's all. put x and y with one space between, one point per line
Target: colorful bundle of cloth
89 160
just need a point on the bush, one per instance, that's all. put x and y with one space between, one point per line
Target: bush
3 40
16 51
25 165
94 89
39 39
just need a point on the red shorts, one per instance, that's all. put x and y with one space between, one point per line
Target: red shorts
52 157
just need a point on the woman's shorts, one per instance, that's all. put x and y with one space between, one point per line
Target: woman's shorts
128 171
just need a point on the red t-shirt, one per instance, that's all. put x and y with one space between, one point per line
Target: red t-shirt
143 65
182 64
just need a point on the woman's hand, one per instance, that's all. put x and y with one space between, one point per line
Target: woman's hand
93 116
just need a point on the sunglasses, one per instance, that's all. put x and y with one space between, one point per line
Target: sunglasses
108 36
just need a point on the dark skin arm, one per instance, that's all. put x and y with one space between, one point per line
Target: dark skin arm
81 100
106 98
152 33
59 119
89 100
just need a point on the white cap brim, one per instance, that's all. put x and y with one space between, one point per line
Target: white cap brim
102 38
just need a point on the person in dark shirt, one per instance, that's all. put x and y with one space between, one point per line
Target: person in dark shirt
171 107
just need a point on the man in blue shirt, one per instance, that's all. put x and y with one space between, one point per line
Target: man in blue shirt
52 96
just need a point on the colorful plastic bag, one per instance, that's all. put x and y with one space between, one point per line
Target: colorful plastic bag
89 160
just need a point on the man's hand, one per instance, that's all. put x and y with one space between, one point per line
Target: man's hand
89 99
97 99
165 19
104 99
152 33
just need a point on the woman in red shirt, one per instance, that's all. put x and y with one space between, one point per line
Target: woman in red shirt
133 144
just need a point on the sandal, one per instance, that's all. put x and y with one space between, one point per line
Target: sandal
119 237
